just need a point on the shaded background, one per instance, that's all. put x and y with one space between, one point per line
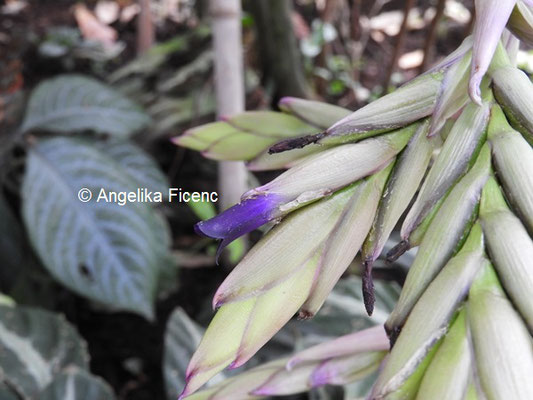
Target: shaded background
158 54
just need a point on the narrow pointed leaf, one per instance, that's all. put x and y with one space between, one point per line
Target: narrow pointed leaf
439 244
451 163
431 315
502 343
510 247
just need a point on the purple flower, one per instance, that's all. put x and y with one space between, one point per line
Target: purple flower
305 183
240 219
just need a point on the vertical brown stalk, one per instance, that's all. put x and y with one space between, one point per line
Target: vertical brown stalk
400 39
145 28
281 60
432 35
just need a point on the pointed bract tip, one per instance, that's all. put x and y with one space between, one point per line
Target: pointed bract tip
473 88
285 101
397 251
295 143
218 301
176 139
369 297
262 391
292 363
185 392
319 378
392 332
235 364
305 314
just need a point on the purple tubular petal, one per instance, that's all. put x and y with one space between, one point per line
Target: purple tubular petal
240 219
491 18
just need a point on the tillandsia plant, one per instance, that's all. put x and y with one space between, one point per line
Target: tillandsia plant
451 150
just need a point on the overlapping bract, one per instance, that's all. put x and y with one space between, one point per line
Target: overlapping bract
343 360
471 216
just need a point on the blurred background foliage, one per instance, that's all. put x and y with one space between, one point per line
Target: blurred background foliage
115 299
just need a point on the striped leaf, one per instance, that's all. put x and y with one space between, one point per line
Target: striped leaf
140 166
75 103
36 345
74 384
107 252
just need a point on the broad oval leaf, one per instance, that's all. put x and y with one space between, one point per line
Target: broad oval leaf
75 103
74 384
34 346
102 250
139 165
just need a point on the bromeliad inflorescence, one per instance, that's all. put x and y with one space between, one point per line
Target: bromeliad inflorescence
456 144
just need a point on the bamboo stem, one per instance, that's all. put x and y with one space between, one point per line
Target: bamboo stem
229 88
